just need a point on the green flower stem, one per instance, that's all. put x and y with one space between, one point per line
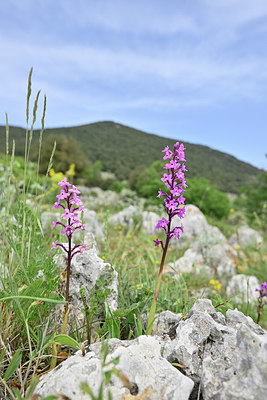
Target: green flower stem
154 301
68 276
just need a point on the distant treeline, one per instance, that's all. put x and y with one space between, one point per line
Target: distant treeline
125 152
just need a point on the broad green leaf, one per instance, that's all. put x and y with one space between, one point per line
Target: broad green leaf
2 354
85 388
116 361
33 298
14 363
66 340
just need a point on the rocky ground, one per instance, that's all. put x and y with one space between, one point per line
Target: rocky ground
204 355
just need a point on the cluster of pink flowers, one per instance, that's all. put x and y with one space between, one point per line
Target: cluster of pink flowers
261 303
262 292
175 183
73 204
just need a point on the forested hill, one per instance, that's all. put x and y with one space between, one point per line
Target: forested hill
122 149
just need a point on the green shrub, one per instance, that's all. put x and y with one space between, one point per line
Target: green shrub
255 200
67 152
200 191
205 196
148 182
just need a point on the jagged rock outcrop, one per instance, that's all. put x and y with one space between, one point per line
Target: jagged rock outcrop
225 356
150 375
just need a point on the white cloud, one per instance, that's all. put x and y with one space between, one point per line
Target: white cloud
185 78
186 57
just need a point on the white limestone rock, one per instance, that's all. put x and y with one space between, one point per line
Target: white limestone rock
47 219
244 376
243 288
140 360
95 197
221 259
191 261
92 224
124 217
246 236
197 232
86 269
194 223
165 322
196 338
149 221
226 357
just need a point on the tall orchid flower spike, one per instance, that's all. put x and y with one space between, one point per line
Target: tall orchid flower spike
175 183
72 204
261 303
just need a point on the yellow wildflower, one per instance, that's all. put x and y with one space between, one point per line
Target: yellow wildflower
216 284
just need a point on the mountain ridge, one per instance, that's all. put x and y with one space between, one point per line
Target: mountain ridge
121 149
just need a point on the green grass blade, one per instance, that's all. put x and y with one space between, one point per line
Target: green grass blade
29 94
66 340
14 363
33 298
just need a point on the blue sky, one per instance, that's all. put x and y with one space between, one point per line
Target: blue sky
193 70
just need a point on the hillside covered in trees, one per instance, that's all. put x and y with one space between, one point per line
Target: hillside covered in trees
125 151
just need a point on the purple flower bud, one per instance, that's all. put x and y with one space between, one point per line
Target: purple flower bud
54 244
176 184
70 195
64 184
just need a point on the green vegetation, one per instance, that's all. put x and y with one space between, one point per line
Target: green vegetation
205 196
255 200
122 150
67 152
147 182
200 191
31 284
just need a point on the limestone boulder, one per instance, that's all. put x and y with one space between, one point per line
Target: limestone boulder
197 232
196 338
86 269
191 261
226 358
221 259
124 217
166 322
194 223
47 219
92 224
95 197
243 288
150 375
246 236
149 221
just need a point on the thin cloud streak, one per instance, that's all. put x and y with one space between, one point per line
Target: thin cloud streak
130 59
77 64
